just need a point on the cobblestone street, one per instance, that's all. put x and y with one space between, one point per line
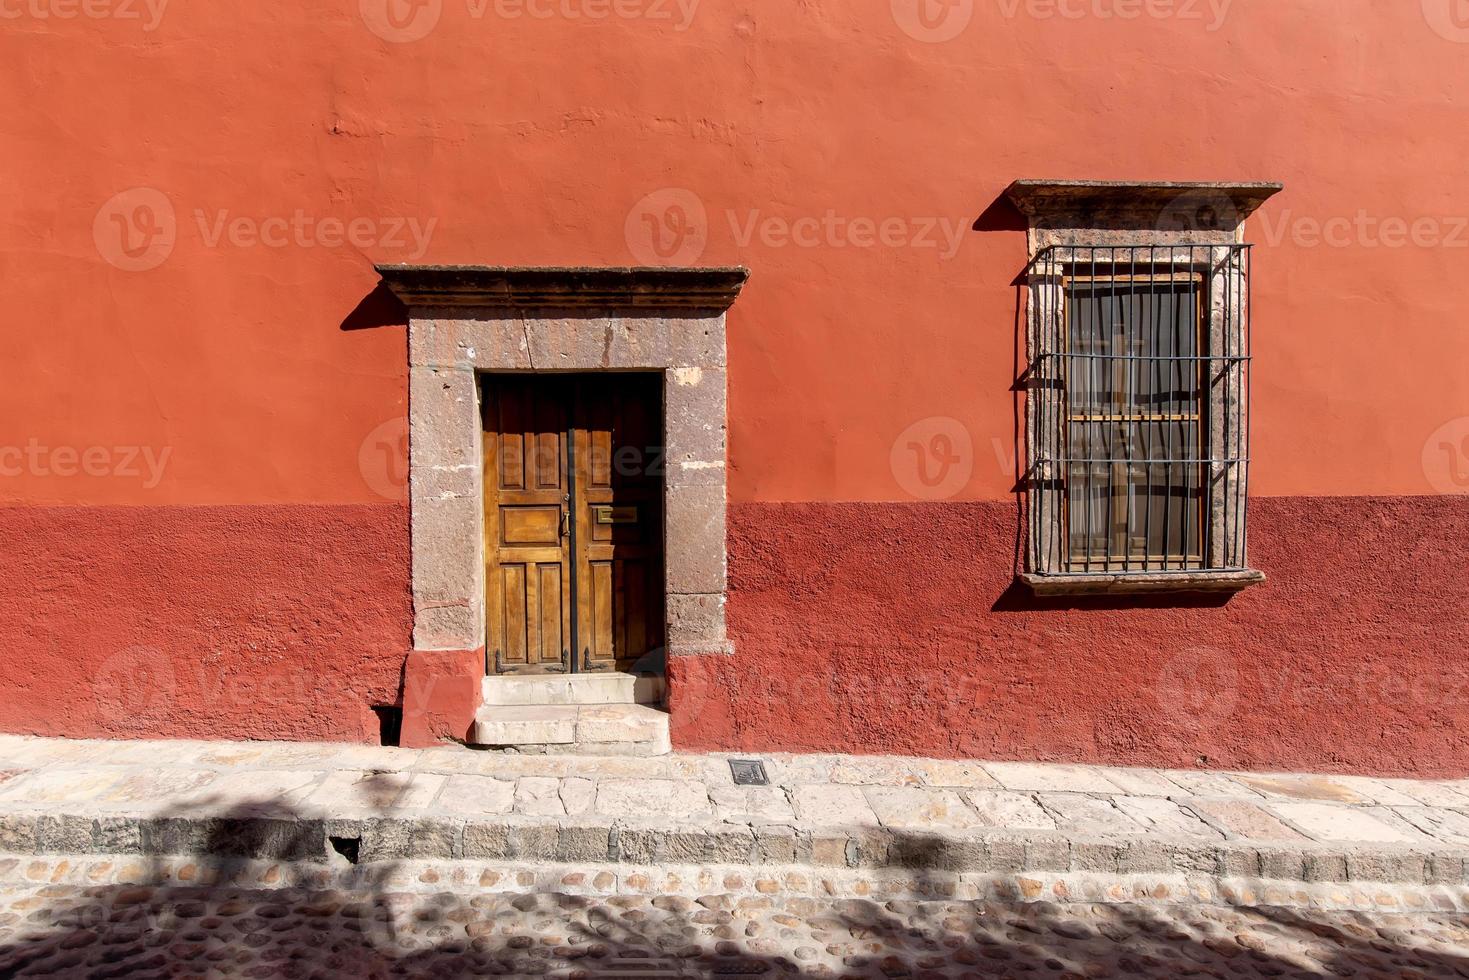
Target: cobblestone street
178 931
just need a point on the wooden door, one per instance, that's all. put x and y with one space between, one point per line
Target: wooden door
619 463
528 589
573 521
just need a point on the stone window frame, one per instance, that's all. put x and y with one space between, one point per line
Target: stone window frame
469 321
1066 221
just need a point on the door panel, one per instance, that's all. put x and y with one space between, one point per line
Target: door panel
619 519
528 564
573 521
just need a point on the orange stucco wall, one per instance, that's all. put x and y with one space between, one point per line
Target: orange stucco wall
202 415
516 133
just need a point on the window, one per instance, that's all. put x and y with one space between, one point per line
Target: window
1134 393
1137 399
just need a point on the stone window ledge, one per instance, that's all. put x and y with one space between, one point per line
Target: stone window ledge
1139 584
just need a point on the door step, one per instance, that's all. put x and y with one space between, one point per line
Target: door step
571 689
573 729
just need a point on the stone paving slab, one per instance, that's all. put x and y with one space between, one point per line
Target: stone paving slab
307 802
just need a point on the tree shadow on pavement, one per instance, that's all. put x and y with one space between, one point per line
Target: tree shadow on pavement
221 914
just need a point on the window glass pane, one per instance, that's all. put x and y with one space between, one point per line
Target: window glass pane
1134 398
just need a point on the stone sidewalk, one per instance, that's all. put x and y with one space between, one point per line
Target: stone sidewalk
831 822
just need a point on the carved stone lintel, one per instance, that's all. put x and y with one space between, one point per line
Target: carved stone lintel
690 291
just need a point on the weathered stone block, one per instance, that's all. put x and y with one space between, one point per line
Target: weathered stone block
1237 861
1324 867
583 843
636 845
1446 869
651 342
775 844
386 838
1144 857
1047 854
1283 863
535 842
1095 856
1005 855
695 541
829 849
695 620
17 834
495 344
730 844
696 430
487 841
64 834
1377 865
1194 858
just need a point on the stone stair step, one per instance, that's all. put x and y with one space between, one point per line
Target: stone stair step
574 729
574 689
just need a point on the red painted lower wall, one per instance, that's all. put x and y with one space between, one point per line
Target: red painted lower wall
896 628
858 627
285 622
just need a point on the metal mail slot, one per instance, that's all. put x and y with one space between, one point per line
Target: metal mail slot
615 515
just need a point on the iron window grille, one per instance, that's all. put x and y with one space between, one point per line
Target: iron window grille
1138 421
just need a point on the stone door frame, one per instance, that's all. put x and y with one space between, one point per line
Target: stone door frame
466 321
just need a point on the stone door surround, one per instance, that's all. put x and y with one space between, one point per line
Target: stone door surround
465 321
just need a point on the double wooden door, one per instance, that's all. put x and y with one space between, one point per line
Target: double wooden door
573 521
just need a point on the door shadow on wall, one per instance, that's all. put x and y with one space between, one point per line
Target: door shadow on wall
379 308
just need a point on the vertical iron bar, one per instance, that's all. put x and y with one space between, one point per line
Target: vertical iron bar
1124 369
1147 430
1246 257
1167 433
1226 369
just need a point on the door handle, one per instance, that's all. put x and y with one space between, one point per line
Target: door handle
565 521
